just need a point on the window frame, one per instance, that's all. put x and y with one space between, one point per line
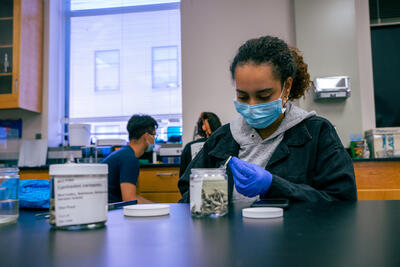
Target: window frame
153 61
118 88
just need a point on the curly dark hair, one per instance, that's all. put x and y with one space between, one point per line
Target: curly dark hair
285 62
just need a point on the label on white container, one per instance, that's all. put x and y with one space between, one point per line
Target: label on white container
80 200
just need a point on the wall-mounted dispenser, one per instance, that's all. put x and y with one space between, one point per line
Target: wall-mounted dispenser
331 87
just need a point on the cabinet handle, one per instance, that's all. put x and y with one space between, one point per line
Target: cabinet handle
166 173
16 85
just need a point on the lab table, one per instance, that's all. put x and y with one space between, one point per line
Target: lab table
363 233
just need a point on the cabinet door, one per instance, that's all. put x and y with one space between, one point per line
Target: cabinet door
377 180
158 180
7 60
162 197
21 41
159 184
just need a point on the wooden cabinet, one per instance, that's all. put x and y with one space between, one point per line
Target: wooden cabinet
159 184
378 180
32 173
21 42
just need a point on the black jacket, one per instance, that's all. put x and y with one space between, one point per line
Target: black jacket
310 163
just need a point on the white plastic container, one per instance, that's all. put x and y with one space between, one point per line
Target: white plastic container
79 134
384 142
79 196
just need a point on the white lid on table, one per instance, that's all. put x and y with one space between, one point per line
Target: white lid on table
262 212
144 210
78 169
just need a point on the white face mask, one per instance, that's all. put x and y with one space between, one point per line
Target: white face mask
151 145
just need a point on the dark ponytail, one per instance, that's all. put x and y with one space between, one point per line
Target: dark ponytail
301 79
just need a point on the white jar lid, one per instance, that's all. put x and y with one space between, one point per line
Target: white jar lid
262 212
78 169
143 210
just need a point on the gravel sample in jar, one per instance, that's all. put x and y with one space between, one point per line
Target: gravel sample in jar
208 192
79 196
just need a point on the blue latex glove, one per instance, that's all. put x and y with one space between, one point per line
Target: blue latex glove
250 179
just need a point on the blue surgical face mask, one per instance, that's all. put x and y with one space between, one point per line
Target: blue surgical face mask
260 116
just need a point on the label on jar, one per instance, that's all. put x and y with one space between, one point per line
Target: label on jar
80 200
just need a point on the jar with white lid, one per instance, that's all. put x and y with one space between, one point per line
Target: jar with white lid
79 196
9 208
208 192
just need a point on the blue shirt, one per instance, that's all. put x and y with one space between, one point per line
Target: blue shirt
123 167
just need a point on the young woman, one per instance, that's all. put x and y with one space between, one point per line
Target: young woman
279 150
206 125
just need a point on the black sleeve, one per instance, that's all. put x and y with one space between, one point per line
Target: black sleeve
333 177
186 158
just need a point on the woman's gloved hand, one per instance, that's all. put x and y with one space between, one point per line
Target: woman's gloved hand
250 179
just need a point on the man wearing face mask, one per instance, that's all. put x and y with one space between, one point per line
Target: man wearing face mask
123 164
278 149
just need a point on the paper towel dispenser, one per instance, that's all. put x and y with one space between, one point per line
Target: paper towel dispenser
331 87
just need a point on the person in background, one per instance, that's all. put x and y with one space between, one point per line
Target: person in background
206 125
278 149
123 164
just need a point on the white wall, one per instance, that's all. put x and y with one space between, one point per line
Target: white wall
365 65
212 31
32 123
334 37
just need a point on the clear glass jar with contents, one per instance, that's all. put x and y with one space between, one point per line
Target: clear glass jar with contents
79 196
9 208
208 192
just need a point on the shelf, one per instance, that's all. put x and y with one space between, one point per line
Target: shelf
6 18
6 46
6 74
